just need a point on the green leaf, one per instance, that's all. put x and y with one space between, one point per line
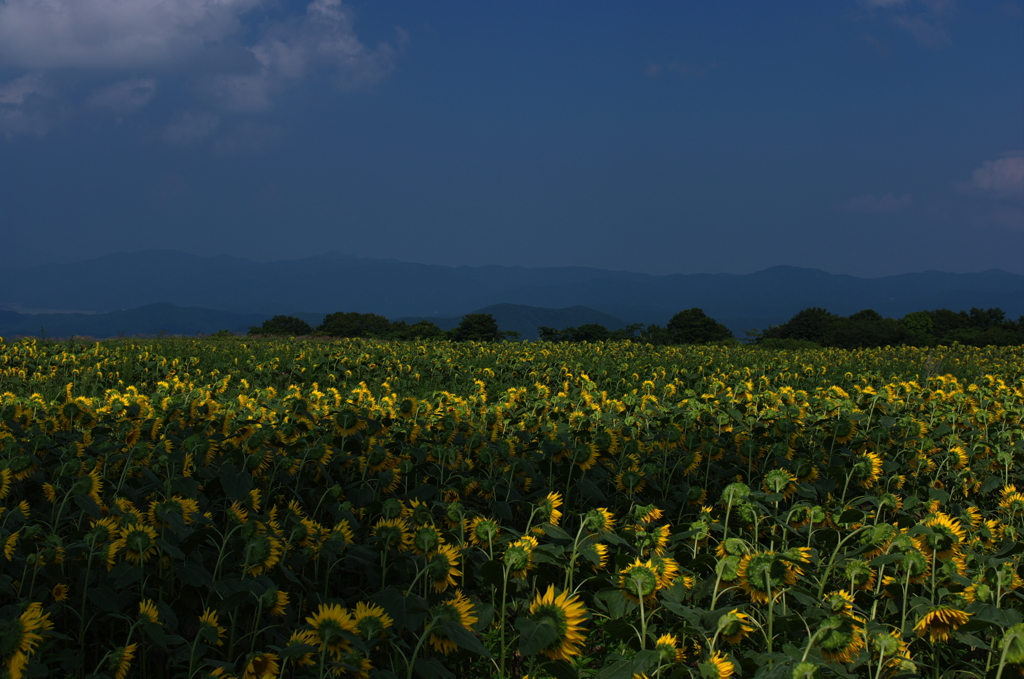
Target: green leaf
560 670
555 532
465 639
535 636
625 669
886 559
432 669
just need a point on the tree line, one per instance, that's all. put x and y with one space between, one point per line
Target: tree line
812 327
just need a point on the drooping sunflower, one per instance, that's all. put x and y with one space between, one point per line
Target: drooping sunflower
519 556
669 650
548 508
939 621
261 666
666 568
209 628
594 552
639 580
565 615
121 660
860 574
718 666
600 520
160 512
458 609
443 567
302 638
60 592
139 542
278 601
426 538
780 481
484 532
393 533
947 534
764 574
149 612
371 620
23 636
867 469
734 626
263 552
891 652
331 623
840 638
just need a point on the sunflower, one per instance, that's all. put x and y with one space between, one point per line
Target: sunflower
1013 644
630 481
262 552
519 556
890 651
947 534
718 666
549 508
840 602
666 568
332 623
938 621
210 629
669 650
160 513
640 580
278 601
735 626
341 535
442 567
371 620
599 520
261 666
844 430
484 532
594 552
22 636
860 574
5 482
765 573
148 611
780 481
565 615
60 592
867 469
139 542
426 538
303 638
840 639
393 533
586 455
458 609
121 660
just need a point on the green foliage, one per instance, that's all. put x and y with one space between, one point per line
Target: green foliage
693 326
476 328
289 326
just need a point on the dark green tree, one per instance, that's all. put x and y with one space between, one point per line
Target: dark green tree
421 330
476 328
693 326
282 325
353 324
811 325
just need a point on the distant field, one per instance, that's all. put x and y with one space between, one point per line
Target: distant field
261 508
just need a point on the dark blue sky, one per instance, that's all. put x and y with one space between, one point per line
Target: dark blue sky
868 137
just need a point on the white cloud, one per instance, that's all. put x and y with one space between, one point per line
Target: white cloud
924 19
112 33
25 106
190 128
126 96
999 179
323 39
872 204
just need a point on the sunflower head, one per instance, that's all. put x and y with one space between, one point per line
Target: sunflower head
371 620
639 580
333 626
484 531
598 520
718 666
459 610
840 639
669 650
734 626
442 567
1012 644
939 621
565 615
945 536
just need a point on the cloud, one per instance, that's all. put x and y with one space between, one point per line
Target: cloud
26 105
322 40
924 19
872 204
126 96
117 34
191 127
997 179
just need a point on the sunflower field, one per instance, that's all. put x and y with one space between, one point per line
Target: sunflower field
258 508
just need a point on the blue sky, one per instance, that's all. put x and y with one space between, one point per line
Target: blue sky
868 137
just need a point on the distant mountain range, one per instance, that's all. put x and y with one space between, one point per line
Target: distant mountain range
120 291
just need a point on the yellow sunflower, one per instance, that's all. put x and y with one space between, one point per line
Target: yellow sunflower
669 650
331 622
261 666
519 556
458 609
565 614
443 567
718 666
939 621
484 532
735 626
23 636
549 508
210 629
121 660
840 638
640 580
371 620
139 542
947 534
148 611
